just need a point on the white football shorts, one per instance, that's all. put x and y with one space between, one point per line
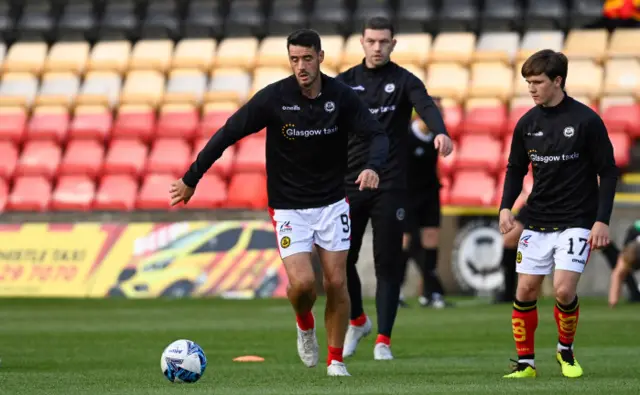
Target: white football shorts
539 252
328 227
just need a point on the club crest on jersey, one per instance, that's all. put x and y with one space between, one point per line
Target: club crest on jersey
400 214
568 132
285 242
329 106
389 88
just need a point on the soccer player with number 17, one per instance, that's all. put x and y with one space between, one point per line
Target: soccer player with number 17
568 147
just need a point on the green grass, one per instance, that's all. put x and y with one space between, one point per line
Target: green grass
94 347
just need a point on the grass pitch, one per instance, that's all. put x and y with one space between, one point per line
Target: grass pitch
95 347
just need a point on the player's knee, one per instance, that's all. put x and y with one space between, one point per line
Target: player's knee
629 254
334 283
429 237
527 290
565 294
302 284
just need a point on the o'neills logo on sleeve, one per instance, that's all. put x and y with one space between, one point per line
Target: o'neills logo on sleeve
290 132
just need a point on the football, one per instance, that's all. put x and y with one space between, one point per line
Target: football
183 361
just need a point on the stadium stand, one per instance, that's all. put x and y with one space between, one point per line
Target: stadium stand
102 104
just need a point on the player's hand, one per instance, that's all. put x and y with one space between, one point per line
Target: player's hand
443 144
368 179
180 192
507 221
599 236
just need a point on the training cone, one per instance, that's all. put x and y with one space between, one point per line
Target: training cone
249 358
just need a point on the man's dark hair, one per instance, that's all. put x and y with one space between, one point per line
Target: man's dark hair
305 38
379 23
551 63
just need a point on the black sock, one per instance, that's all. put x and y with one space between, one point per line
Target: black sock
509 270
387 298
355 291
431 280
611 253
404 264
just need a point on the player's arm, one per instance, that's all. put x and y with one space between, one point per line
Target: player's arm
621 271
601 152
249 119
517 168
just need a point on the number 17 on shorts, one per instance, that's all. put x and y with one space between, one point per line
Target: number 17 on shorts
539 252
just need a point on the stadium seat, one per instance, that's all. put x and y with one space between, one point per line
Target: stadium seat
519 107
18 89
536 40
26 57
485 116
186 86
161 20
250 157
68 57
4 194
452 114
501 15
100 87
76 19
110 56
624 43
621 114
456 47
415 70
458 15
134 121
73 193
116 193
472 188
447 165
8 159
228 84
585 13
411 49
286 16
527 185
272 52
178 120
622 77
154 192
211 193
3 46
151 55
520 86
91 122
58 88
214 116
330 17
39 158
497 47
586 79
448 80
352 52
13 120
30 193
366 9
333 46
143 87
237 52
545 14
195 54
48 123
621 148
479 152
203 18
491 79
125 157
586 44
224 165
119 19
169 156
247 191
82 157
263 76
245 18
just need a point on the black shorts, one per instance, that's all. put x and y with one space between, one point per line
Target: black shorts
423 210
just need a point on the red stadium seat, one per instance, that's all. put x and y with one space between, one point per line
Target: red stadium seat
452 114
178 120
211 193
224 165
623 118
214 117
134 121
13 122
126 157
485 116
91 122
527 185
621 148
39 158
4 194
248 191
519 107
251 157
49 123
30 193
73 193
479 151
116 193
8 159
445 190
472 188
154 192
83 157
169 156
447 164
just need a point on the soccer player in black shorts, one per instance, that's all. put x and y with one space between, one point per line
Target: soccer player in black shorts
422 222
391 92
568 211
309 118
628 262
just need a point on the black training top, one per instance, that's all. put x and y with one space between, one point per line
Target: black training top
422 162
391 93
568 147
306 158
